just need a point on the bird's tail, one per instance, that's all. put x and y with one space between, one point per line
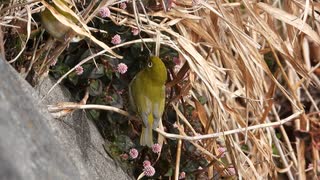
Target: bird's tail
146 138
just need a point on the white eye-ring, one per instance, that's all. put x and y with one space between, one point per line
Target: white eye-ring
150 64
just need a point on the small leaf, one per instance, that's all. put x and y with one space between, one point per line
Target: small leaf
94 114
97 72
117 101
95 88
60 70
73 78
169 172
124 142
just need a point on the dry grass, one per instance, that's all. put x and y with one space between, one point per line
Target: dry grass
224 45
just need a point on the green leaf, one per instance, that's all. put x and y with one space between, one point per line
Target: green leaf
109 73
278 135
73 78
124 142
169 172
60 70
95 87
94 114
97 72
202 99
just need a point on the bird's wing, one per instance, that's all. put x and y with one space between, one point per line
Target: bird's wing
131 98
138 100
158 107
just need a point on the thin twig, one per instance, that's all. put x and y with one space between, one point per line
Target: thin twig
176 136
88 106
215 135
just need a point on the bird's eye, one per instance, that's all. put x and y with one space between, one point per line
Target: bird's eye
150 64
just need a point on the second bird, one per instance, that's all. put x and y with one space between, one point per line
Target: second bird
147 96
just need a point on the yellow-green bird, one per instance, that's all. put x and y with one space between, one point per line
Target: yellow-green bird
53 26
147 96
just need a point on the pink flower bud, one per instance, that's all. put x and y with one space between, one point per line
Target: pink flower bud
133 153
124 156
79 70
146 163
222 151
156 148
231 170
135 31
116 39
149 171
53 62
123 5
122 68
104 12
176 61
196 2
182 175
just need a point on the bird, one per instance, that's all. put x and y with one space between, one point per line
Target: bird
54 27
147 97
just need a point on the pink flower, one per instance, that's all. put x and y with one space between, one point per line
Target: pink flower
196 2
176 61
156 148
104 12
123 5
79 70
135 31
109 98
122 68
124 156
133 153
149 171
53 62
231 170
146 163
170 4
120 91
222 151
182 175
116 39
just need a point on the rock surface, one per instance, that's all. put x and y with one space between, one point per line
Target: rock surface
33 145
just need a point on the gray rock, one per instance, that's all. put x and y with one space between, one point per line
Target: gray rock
33 145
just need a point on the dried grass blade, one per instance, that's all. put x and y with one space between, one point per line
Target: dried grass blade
290 19
78 29
194 53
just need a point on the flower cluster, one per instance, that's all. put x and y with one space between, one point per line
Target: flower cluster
116 39
135 31
104 12
122 68
79 70
176 61
123 5
124 156
53 62
133 153
232 171
196 2
222 151
148 170
146 163
156 148
182 175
